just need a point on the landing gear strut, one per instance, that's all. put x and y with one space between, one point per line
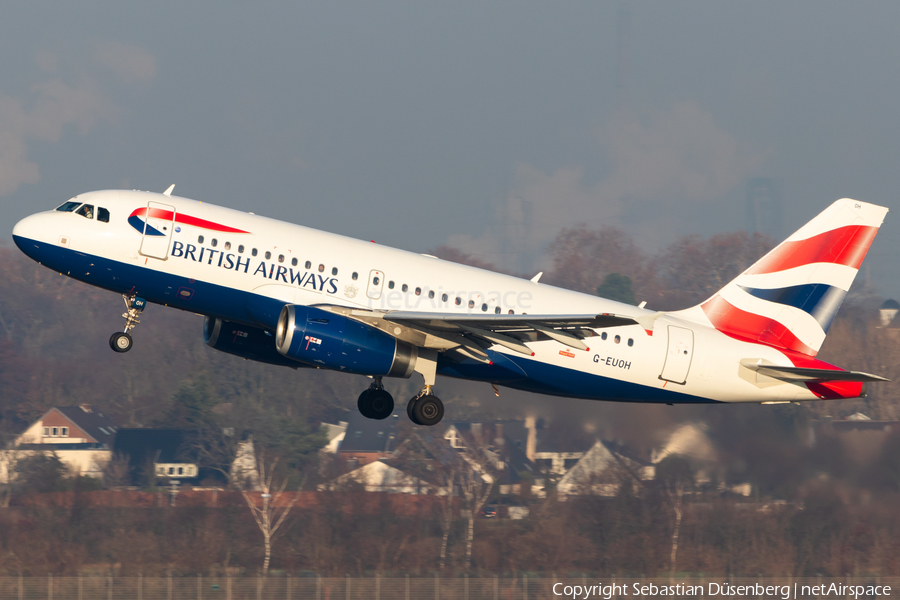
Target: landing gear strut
375 402
121 341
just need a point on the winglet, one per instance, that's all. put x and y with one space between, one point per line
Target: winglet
168 191
537 277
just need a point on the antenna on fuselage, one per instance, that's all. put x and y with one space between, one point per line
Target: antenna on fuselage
168 191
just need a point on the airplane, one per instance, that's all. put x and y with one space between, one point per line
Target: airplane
293 296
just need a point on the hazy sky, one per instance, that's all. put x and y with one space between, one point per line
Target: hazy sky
489 125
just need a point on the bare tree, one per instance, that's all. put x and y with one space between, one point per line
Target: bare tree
476 481
270 515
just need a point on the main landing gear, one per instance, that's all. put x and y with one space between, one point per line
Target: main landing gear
375 402
121 341
425 408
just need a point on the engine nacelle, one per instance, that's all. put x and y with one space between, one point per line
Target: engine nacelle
247 342
333 341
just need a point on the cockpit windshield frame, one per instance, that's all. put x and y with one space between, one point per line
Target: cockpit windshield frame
69 206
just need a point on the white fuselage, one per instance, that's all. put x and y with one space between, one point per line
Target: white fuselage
237 266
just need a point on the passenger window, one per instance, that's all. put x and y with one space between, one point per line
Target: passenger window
443 297
471 304
458 300
241 249
321 268
102 215
484 308
86 211
430 294
253 252
334 270
293 262
497 310
268 255
630 342
617 339
390 285
228 245
281 258
405 288
200 239
418 291
308 264
68 206
512 312
603 336
375 280
355 276
213 242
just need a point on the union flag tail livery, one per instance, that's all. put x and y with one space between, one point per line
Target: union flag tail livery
291 296
789 297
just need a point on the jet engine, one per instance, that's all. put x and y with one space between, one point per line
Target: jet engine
247 342
333 341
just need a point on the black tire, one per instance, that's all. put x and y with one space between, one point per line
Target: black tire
363 404
428 411
411 409
381 405
120 342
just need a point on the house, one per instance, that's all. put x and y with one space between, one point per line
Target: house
154 453
602 471
379 476
368 440
888 311
79 436
335 435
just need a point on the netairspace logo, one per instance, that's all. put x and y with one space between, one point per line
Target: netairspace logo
784 592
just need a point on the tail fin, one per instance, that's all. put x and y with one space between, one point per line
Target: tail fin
789 297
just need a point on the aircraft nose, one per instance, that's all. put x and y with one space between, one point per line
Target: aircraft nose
29 228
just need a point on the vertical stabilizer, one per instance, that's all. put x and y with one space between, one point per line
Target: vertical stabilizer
790 296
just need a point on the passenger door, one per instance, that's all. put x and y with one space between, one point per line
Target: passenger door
376 284
678 355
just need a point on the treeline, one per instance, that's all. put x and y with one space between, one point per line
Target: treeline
357 533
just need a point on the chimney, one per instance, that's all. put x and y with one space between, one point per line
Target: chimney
531 444
85 407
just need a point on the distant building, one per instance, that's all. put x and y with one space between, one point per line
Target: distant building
888 311
80 438
602 471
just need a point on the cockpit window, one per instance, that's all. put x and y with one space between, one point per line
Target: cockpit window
102 215
86 211
68 206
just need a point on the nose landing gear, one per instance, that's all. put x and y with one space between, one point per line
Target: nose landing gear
375 402
121 341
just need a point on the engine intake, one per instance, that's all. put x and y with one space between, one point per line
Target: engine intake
333 341
247 342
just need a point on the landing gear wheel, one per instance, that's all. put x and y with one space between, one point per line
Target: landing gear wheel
428 410
363 404
411 409
375 404
120 342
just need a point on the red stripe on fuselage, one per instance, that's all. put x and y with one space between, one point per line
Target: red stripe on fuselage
843 246
749 327
160 213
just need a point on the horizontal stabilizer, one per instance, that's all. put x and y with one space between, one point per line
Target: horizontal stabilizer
807 374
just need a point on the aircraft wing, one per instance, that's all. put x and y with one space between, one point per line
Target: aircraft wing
475 333
806 374
471 335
